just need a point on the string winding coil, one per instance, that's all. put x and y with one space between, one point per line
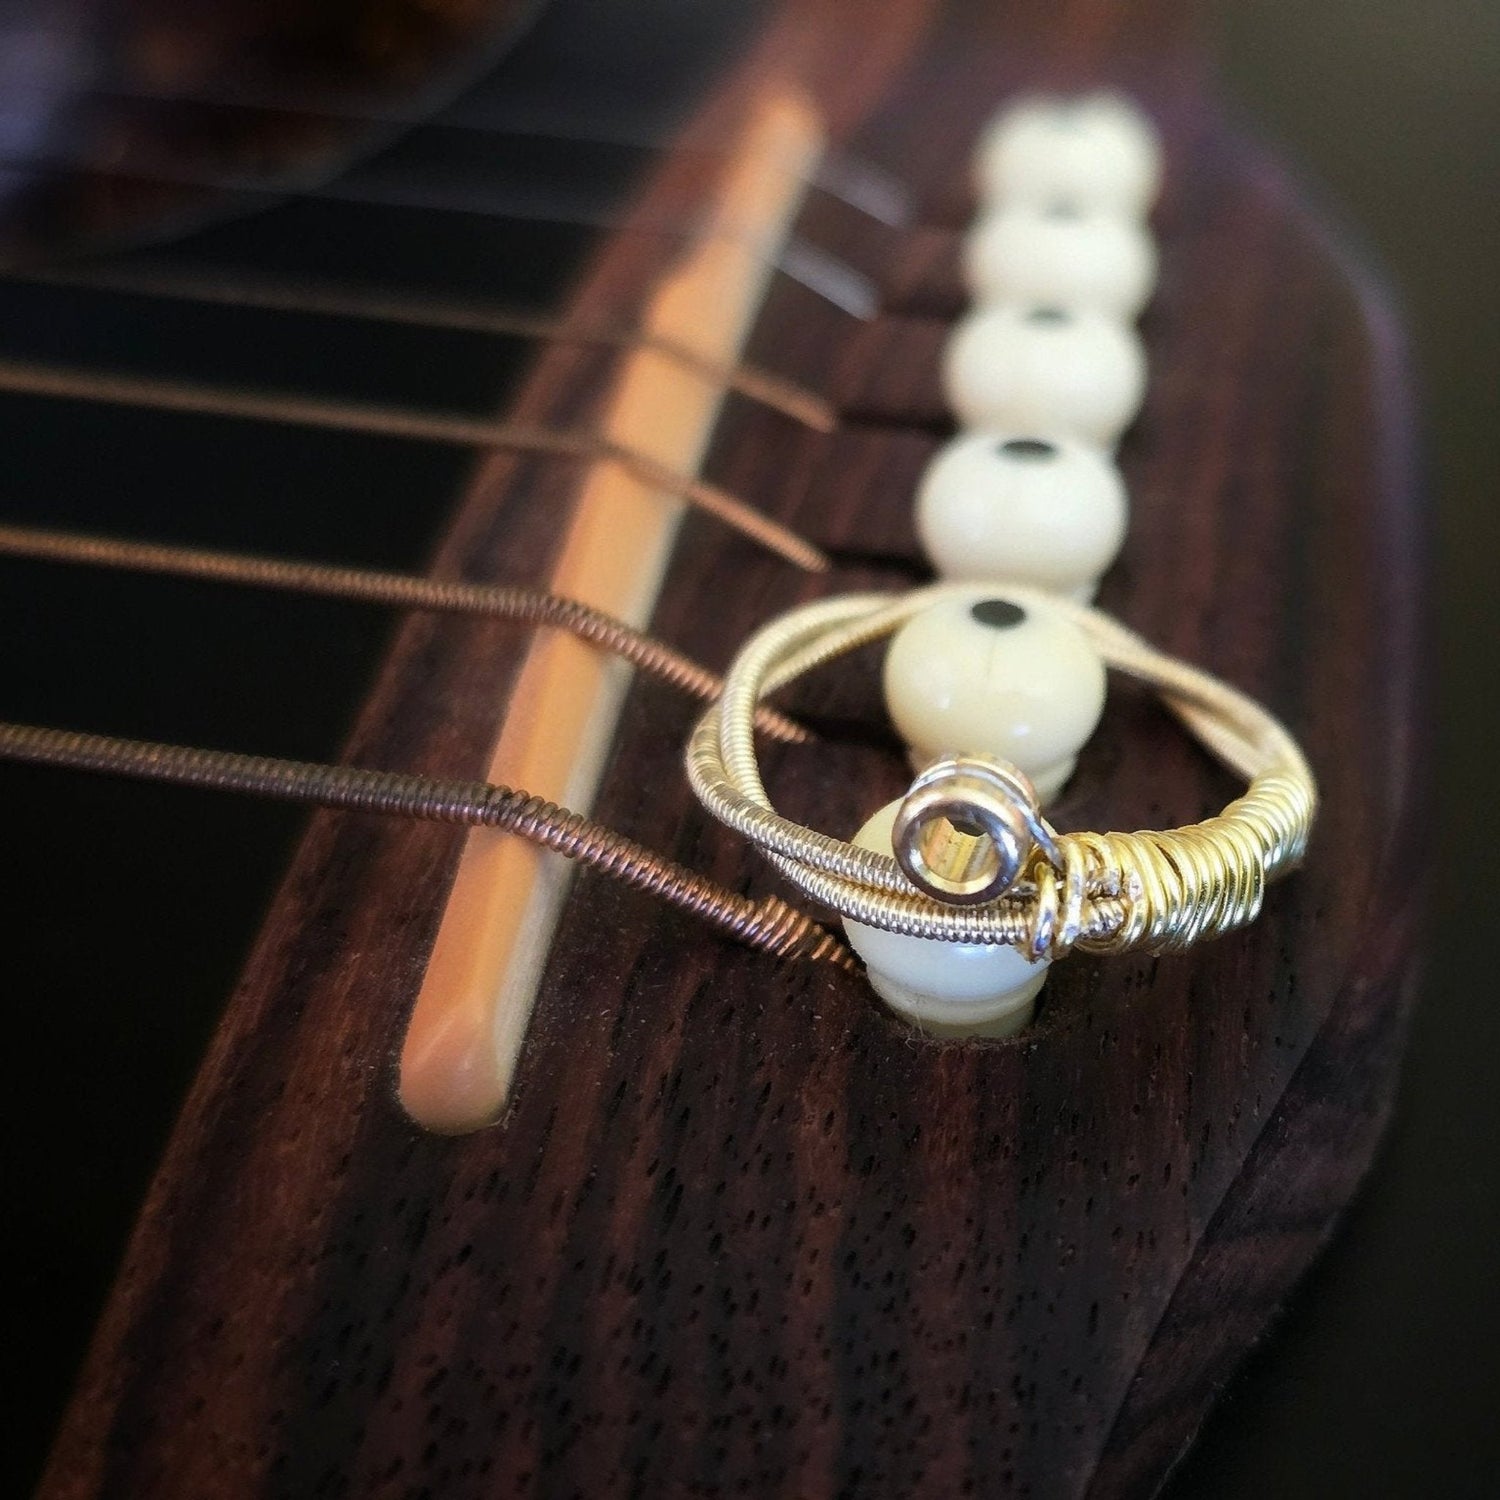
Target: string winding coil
1154 891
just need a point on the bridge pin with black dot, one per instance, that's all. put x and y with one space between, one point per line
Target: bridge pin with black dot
982 675
1050 512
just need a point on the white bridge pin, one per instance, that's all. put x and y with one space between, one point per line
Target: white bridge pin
981 675
1062 254
1043 368
1098 151
1050 512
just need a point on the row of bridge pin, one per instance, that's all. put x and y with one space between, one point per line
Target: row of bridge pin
1043 376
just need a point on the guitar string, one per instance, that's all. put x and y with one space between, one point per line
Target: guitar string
23 377
768 923
513 603
848 177
822 273
172 283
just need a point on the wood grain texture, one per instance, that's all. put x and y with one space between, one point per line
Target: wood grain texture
740 1231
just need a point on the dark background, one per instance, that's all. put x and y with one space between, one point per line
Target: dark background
1383 1377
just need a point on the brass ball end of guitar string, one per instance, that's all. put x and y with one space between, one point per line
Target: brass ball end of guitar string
977 864
967 828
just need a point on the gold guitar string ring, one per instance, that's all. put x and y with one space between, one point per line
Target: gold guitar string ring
1046 893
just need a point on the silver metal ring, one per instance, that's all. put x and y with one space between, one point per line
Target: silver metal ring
965 831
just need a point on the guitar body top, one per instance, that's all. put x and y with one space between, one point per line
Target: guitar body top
739 1231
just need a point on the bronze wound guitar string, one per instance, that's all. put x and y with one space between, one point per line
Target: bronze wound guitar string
517 605
767 924
23 377
173 283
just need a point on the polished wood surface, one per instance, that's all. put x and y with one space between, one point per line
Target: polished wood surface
740 1231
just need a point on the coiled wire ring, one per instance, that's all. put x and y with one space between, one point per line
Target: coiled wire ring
1102 892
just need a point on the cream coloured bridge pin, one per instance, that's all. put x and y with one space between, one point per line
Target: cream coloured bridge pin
1060 253
981 675
1095 151
945 989
1050 512
1043 368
